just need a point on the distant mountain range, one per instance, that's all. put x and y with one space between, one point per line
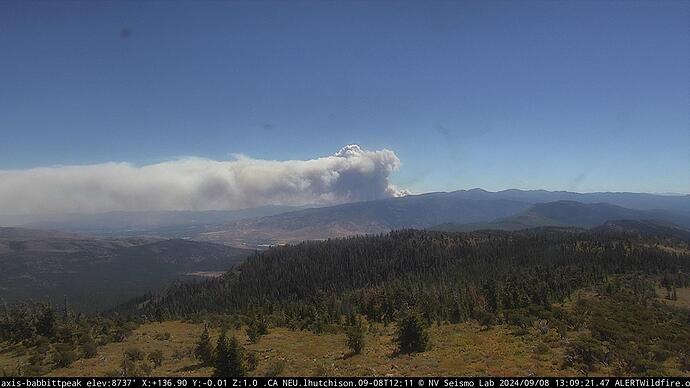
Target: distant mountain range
568 213
414 211
639 201
463 210
97 273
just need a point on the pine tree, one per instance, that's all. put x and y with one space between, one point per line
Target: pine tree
229 358
411 335
491 294
256 328
46 322
236 364
203 350
355 338
221 356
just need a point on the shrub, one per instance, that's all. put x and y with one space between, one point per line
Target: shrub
542 348
562 329
89 350
355 338
684 360
129 367
252 361
134 354
519 318
486 319
62 355
156 358
178 354
87 346
145 369
162 336
585 352
275 368
33 366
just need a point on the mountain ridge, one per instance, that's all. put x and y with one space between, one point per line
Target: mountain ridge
569 214
429 210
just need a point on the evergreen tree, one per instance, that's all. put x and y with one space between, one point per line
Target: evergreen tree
45 322
229 358
355 338
491 295
203 350
411 334
236 362
221 356
256 328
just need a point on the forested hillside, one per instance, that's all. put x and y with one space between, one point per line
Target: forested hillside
560 301
645 227
449 277
525 280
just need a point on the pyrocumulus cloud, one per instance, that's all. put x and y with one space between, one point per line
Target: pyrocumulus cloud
351 174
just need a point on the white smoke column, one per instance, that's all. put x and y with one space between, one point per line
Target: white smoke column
351 174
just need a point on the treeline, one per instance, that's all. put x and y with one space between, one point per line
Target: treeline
445 277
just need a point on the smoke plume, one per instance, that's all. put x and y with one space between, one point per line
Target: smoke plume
351 174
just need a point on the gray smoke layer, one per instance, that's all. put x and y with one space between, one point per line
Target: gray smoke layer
351 174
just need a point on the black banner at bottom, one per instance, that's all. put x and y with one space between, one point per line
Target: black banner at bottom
340 382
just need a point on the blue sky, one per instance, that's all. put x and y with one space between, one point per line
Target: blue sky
582 95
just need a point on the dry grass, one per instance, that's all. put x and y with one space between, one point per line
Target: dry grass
683 295
463 349
10 357
457 350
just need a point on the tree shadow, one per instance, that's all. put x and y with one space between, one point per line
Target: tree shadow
190 368
399 353
349 354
